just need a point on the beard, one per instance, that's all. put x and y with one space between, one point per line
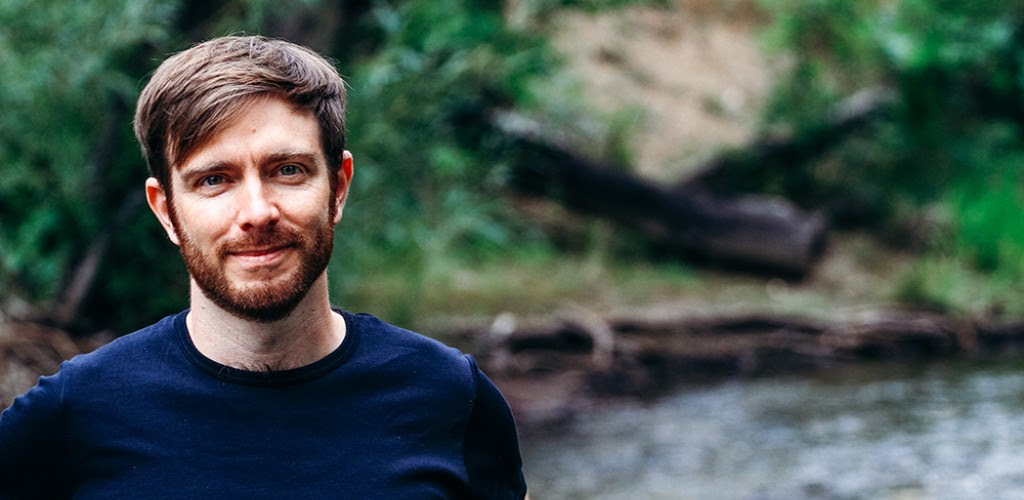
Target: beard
267 300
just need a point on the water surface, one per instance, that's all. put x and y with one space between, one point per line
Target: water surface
948 430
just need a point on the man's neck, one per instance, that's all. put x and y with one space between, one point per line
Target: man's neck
307 334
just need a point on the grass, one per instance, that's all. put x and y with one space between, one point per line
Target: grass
944 283
524 283
858 273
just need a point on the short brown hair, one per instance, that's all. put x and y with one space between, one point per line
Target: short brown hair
195 92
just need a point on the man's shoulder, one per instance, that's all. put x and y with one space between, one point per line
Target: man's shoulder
383 342
375 330
134 346
135 358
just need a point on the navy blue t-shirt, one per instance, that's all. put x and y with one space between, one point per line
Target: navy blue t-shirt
389 414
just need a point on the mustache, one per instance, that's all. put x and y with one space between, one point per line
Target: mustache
262 240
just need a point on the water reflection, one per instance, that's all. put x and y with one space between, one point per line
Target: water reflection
950 430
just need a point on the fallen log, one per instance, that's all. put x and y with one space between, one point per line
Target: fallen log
695 217
765 234
549 366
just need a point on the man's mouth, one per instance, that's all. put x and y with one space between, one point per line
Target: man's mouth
260 255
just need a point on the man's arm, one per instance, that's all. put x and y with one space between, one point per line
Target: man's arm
491 445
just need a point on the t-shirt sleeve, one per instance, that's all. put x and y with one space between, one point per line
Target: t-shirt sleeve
32 444
491 445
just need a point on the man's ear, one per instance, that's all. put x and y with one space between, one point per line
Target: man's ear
344 179
158 203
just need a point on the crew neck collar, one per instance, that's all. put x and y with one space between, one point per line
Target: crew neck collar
269 378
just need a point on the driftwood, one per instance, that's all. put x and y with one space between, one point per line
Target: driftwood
550 366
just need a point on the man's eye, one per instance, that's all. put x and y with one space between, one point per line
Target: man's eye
290 170
212 180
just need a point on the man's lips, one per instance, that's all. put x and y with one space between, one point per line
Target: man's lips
259 255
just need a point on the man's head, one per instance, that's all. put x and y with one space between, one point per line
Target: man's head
194 93
244 137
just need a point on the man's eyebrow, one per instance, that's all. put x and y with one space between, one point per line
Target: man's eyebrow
306 156
204 169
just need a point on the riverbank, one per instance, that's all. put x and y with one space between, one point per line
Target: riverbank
553 369
861 305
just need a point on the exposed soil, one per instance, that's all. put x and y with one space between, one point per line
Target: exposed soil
693 73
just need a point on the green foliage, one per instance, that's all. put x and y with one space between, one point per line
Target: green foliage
953 136
62 130
956 68
989 207
427 173
617 149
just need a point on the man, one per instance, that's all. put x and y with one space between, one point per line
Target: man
260 388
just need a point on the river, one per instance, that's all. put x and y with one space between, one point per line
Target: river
932 431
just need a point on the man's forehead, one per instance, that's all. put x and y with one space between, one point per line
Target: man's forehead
208 142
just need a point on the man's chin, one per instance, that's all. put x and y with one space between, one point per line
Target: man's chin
262 310
260 302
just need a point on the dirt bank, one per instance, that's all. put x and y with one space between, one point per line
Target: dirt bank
692 76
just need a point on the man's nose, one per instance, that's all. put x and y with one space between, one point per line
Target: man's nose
258 208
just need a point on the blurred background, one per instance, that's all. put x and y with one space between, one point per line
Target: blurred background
708 249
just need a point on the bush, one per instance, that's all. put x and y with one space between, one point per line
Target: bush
953 137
